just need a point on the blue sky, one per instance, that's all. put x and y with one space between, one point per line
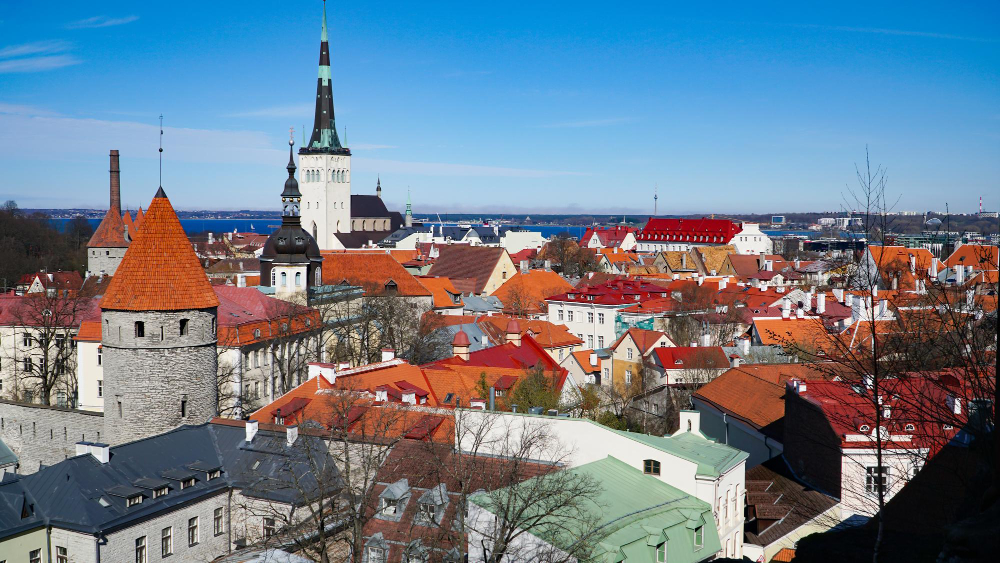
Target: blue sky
575 107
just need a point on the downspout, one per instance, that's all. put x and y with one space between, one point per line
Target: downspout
48 541
239 379
725 422
229 521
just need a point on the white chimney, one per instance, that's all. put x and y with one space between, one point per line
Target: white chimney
745 345
524 266
701 279
960 275
82 448
694 343
734 361
913 264
809 301
800 313
706 339
677 276
593 358
101 452
723 282
786 307
251 430
291 434
821 303
838 294
241 280
388 354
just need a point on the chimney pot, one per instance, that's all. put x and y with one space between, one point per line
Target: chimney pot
116 190
251 430
291 434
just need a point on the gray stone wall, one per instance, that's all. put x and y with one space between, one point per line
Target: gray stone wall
104 260
121 544
41 434
160 380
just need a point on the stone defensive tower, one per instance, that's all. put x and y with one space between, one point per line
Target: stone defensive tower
159 320
110 241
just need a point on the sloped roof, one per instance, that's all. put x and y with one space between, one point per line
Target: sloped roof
110 233
691 357
546 334
372 270
583 358
473 262
689 230
644 339
443 292
780 494
532 288
979 256
160 271
714 256
245 310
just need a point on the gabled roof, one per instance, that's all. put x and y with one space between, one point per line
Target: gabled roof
160 271
474 262
583 358
110 233
373 270
979 256
712 257
778 503
445 294
526 292
644 339
243 311
548 335
691 357
719 231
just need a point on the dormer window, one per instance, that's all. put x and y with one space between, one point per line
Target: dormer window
132 501
865 428
910 427
389 506
215 474
427 511
161 492
187 483
651 467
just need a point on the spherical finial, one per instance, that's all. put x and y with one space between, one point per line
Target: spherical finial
291 136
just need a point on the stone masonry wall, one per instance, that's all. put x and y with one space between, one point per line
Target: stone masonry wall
42 434
148 378
104 260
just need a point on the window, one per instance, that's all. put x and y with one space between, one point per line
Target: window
606 373
166 541
193 531
318 275
629 352
876 478
132 501
569 316
27 364
590 317
214 474
184 408
427 511
389 506
699 537
140 329
268 527
26 340
628 377
184 327
560 314
273 281
651 467
35 556
590 341
162 491
298 279
600 342
140 550
217 521
61 555
284 279
100 356
187 483
661 553
376 555
600 318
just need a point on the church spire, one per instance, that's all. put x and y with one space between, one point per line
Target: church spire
291 198
324 133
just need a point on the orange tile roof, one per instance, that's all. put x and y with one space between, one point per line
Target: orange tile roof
531 288
644 339
583 357
90 331
784 555
160 271
791 332
616 255
110 233
548 335
443 290
371 270
980 257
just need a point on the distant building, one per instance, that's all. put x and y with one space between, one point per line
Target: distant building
681 234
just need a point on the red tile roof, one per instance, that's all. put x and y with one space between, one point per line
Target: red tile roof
243 311
160 271
691 357
980 257
617 292
608 236
374 271
719 231
443 290
110 233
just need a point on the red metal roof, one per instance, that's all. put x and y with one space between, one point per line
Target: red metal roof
712 231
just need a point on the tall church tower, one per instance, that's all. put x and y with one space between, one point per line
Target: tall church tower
158 332
325 165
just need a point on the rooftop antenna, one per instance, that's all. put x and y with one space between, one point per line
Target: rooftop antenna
161 150
345 135
656 189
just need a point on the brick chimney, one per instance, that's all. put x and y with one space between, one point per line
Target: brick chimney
116 184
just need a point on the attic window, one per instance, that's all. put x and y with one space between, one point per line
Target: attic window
189 482
256 333
184 327
132 501
161 492
214 474
651 467
910 427
140 329
865 428
449 397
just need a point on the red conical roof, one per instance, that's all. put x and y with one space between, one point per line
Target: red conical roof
461 339
110 233
160 271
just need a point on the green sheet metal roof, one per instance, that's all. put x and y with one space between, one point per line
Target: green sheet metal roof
7 457
636 512
713 458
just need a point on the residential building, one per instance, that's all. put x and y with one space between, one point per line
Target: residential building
634 517
617 236
477 270
524 294
630 355
681 234
590 312
377 273
686 460
447 299
193 493
49 283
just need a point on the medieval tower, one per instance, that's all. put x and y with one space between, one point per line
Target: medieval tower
158 332
325 165
110 241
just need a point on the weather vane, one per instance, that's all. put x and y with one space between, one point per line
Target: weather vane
161 150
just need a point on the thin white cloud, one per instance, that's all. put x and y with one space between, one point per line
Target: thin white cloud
446 169
290 110
21 109
903 32
100 21
589 123
36 57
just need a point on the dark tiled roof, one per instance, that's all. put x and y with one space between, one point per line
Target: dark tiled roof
784 499
474 262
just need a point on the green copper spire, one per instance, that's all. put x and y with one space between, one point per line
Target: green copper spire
322 36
